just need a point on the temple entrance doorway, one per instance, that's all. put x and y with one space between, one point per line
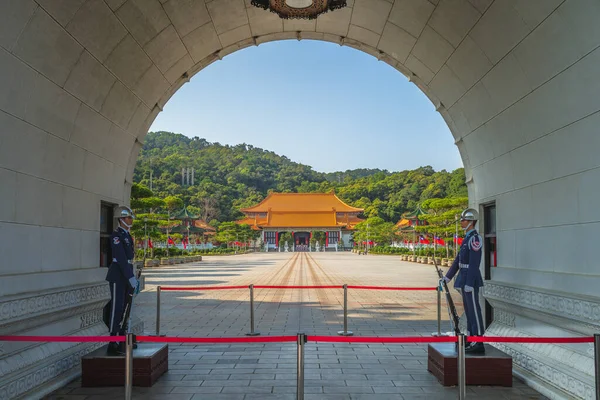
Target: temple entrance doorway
302 240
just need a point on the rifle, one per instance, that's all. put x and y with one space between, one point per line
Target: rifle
451 308
129 303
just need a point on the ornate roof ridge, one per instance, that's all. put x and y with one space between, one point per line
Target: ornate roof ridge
185 214
257 207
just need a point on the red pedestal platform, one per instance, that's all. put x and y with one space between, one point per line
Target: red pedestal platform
492 368
150 361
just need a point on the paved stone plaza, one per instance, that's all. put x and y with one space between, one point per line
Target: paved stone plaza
262 371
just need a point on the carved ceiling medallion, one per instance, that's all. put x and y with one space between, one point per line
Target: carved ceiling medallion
299 9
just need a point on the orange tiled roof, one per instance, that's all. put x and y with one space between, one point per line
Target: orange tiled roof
303 219
403 223
254 223
246 221
314 202
353 220
202 224
301 210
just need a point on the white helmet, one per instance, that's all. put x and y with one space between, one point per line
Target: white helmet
123 212
470 214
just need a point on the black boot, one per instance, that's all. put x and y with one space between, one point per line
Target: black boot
115 349
475 348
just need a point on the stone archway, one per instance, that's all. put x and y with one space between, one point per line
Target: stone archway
81 81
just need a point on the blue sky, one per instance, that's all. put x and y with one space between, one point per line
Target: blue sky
333 108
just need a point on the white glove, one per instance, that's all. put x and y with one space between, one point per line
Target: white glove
446 279
133 282
468 289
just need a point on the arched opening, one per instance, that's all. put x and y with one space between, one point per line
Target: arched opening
515 81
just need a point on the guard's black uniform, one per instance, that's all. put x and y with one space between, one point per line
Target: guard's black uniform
467 264
118 276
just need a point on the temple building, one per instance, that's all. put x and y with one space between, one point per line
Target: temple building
192 226
303 214
406 226
409 220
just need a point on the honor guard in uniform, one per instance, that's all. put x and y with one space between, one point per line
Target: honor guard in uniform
120 276
469 278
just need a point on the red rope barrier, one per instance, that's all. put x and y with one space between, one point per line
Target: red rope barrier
391 288
297 287
517 339
362 339
74 339
264 339
195 288
268 339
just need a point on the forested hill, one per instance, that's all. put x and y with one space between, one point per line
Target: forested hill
227 178
352 174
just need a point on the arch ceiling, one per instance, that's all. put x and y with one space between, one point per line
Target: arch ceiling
516 81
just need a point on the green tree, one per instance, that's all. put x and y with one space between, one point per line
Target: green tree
318 236
173 203
442 216
374 229
228 232
285 237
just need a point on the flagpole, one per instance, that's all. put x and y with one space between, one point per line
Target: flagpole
456 235
168 222
145 234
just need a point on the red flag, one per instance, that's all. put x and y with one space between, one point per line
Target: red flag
150 246
170 241
423 240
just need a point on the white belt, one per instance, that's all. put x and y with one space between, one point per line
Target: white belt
463 265
128 261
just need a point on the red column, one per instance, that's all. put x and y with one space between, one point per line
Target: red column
326 238
276 239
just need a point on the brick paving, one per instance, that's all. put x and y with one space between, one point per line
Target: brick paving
268 371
